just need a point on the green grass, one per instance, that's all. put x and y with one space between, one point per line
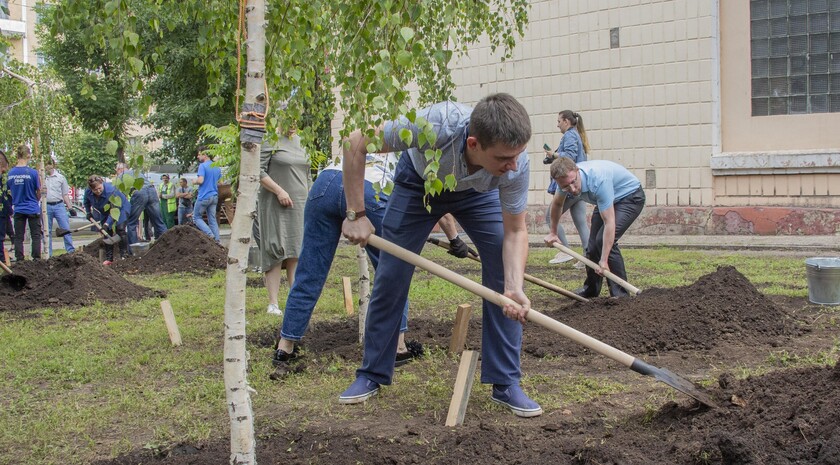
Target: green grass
77 384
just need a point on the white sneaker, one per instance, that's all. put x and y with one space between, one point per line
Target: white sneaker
561 257
274 310
580 266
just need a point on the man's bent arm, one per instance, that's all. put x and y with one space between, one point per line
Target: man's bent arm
353 169
608 216
514 257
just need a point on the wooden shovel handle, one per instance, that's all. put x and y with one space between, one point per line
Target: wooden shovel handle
609 274
3 265
529 278
498 299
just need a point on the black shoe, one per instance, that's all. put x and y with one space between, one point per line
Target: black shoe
286 364
415 350
586 293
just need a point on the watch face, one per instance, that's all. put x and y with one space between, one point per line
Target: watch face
351 215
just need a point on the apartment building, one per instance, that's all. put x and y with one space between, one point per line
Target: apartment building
18 26
726 110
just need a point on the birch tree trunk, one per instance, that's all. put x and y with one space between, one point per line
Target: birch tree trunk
364 290
237 390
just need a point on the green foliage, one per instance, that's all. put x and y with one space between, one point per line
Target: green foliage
369 51
26 110
82 154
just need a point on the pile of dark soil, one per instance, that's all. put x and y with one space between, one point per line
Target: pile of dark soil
69 280
182 249
720 308
784 417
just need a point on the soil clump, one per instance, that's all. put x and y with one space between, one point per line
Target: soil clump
69 280
182 249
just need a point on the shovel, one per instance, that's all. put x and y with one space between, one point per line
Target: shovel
534 316
529 278
61 232
16 281
106 238
608 274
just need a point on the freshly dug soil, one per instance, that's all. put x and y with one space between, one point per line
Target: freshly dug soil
720 308
69 280
781 418
786 416
182 249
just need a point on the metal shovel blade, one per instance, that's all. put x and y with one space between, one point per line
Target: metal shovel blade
683 385
15 281
61 232
111 240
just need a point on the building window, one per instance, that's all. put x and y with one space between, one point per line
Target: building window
4 9
795 51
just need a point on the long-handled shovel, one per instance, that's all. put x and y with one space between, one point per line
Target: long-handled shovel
534 316
529 278
106 238
608 274
61 232
16 281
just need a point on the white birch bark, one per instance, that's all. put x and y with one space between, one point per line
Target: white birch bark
364 290
237 390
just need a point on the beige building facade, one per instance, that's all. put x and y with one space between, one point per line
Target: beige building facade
728 111
18 26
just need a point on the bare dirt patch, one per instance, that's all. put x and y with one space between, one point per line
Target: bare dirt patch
182 249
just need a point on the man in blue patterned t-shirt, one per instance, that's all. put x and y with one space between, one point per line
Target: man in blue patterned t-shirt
484 149
25 186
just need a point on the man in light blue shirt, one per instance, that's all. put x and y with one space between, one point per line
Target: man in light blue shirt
618 198
208 195
484 148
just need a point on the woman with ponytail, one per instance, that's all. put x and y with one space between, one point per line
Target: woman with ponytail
574 145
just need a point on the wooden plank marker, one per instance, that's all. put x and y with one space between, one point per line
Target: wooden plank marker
171 325
348 295
459 332
8 262
462 389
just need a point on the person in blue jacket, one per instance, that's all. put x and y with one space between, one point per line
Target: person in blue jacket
100 198
25 186
574 145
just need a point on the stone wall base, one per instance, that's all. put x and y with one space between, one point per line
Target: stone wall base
771 221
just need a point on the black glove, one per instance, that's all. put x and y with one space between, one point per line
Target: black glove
89 217
459 248
72 212
549 159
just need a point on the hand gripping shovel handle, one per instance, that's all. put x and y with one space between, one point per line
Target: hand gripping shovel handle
609 274
106 238
549 323
529 278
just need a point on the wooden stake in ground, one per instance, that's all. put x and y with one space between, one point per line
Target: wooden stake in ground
171 324
348 295
463 387
459 331
364 290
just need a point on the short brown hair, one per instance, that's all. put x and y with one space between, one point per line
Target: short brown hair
500 119
561 167
23 151
95 179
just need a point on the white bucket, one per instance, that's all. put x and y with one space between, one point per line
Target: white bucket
139 248
823 280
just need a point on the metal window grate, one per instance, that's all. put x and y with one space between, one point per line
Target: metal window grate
795 51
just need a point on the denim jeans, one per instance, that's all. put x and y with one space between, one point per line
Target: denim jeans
322 219
34 223
144 201
182 214
626 212
578 209
59 213
207 205
408 224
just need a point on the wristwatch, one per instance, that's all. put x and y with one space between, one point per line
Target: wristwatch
353 215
